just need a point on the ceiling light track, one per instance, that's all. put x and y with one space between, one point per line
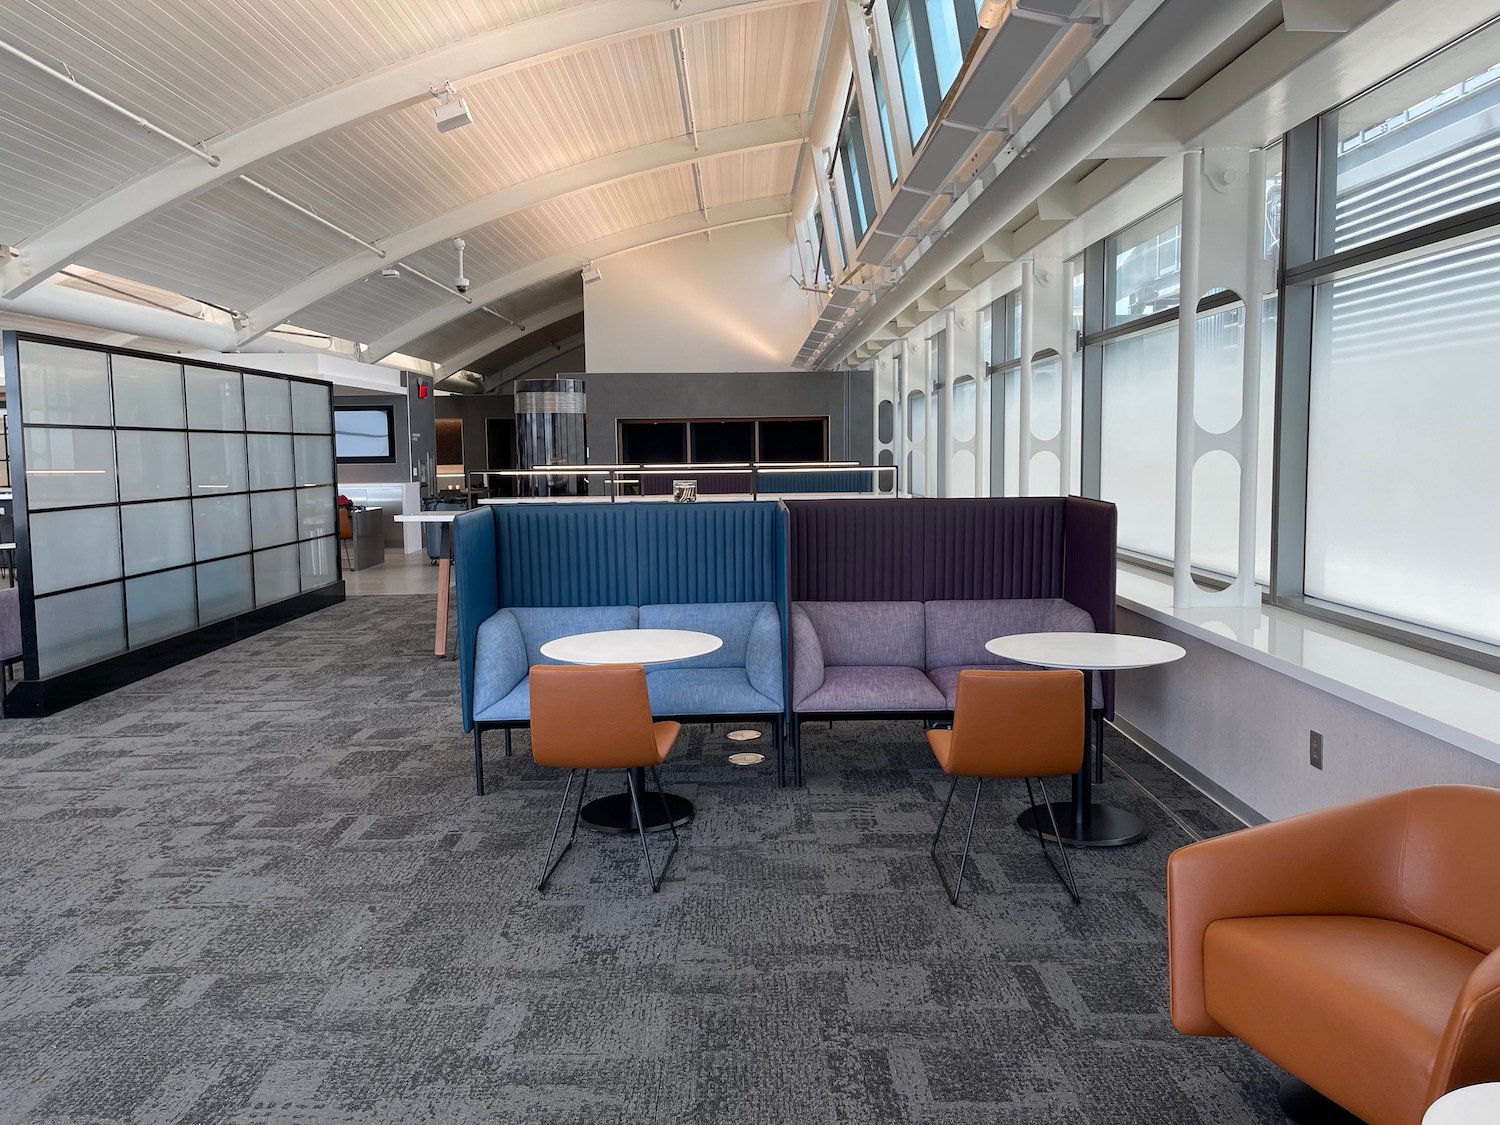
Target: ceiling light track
684 87
499 316
144 123
313 215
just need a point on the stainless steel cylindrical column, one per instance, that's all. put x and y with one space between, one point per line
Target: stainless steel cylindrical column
551 429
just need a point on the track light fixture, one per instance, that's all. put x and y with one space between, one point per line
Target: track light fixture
590 272
451 112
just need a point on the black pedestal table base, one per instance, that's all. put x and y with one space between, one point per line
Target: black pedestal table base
614 814
1102 826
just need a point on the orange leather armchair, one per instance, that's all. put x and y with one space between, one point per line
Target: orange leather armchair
598 717
1355 947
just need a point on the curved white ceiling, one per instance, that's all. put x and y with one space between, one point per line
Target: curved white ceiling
579 143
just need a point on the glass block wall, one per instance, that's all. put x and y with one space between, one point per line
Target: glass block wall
162 496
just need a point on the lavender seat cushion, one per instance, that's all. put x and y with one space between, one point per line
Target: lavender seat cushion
865 634
947 680
873 688
957 630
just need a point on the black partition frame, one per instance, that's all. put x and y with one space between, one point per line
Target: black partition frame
32 695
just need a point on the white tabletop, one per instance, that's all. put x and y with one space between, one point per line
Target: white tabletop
429 517
1470 1105
631 646
1095 651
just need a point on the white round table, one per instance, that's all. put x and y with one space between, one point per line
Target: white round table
1083 823
616 813
1469 1105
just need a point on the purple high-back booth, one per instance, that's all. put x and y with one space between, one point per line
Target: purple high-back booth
916 550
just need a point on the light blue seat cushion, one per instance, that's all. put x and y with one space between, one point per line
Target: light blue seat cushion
706 691
510 642
751 632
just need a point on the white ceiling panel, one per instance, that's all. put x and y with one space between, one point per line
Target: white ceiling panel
368 309
233 246
745 68
202 67
390 173
748 175
59 150
470 329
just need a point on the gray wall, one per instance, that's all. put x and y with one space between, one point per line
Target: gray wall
1244 728
846 398
473 410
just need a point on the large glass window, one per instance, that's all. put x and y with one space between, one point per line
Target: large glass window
903 27
1142 267
1402 450
855 173
892 168
1424 146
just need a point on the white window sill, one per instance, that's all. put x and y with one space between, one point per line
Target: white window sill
1443 698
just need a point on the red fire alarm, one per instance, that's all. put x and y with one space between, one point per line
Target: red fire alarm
421 390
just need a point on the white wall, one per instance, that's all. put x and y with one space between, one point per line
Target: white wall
723 302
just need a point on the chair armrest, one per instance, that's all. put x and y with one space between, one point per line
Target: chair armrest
1470 1048
1343 860
499 659
807 656
763 655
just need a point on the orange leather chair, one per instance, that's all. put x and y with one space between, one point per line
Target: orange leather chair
1354 947
598 717
1009 723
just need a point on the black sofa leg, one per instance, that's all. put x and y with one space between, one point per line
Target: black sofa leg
1305 1106
478 762
797 753
507 742
778 737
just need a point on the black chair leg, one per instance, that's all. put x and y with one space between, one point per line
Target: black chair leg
1065 873
478 762
640 825
968 838
507 742
548 867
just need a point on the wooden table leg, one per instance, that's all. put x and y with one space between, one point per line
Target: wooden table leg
445 566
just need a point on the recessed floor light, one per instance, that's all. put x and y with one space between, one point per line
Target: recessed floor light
743 735
745 759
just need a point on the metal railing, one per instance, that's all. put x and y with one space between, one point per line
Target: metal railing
614 478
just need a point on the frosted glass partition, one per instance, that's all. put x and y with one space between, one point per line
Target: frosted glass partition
159 497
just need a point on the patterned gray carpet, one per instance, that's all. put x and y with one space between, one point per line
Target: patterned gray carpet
259 889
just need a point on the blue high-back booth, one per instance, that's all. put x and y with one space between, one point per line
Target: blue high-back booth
529 573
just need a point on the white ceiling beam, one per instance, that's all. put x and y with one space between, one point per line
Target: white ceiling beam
748 137
496 340
751 211
531 362
501 49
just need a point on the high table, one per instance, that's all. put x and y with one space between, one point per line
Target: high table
1083 823
445 571
633 646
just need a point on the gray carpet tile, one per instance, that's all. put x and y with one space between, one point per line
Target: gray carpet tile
258 889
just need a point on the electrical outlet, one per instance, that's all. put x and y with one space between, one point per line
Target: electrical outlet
1315 749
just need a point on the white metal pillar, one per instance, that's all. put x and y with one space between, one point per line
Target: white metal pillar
1028 347
1223 246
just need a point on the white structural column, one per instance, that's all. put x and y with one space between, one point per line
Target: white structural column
943 447
963 365
982 409
887 395
1223 246
1028 347
915 368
